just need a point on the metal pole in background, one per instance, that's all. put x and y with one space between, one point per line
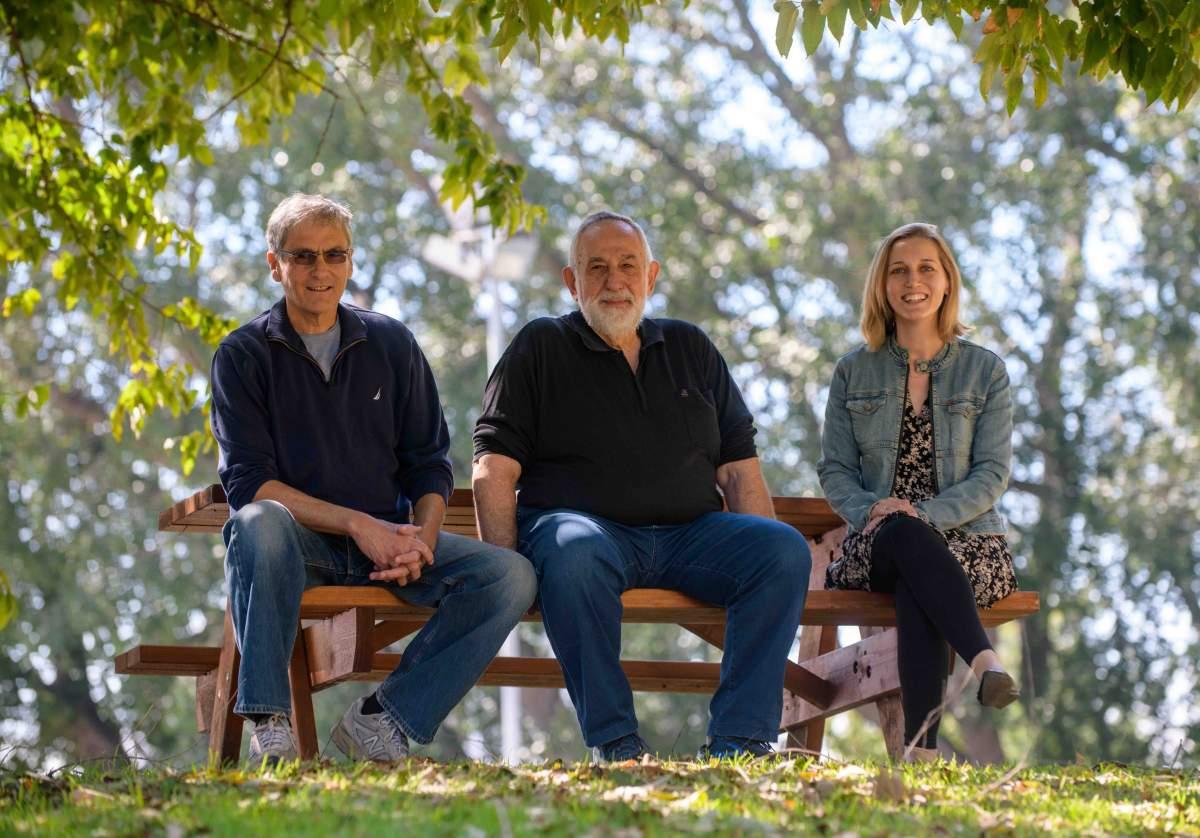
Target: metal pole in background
474 253
510 697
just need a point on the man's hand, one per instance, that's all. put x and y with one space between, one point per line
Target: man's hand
397 550
885 507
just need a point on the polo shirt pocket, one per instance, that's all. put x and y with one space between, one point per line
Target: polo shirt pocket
700 419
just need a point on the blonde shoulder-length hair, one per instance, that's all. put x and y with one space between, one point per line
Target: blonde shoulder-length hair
878 319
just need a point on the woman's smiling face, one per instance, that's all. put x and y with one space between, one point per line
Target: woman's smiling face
916 281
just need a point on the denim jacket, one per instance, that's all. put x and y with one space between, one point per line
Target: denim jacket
972 434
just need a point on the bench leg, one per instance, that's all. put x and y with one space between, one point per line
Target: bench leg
206 699
891 714
891 722
225 729
814 641
300 680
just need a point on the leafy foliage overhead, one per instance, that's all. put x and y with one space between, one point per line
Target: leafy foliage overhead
1153 45
99 100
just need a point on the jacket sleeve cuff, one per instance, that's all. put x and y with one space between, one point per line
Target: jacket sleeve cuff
241 492
429 484
923 514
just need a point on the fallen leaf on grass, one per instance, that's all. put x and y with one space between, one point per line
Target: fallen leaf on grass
824 788
694 800
83 795
889 785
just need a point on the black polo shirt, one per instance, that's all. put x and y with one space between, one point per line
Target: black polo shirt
593 436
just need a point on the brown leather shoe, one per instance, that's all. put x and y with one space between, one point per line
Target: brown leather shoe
997 689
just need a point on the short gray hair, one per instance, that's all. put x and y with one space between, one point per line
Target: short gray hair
298 208
608 215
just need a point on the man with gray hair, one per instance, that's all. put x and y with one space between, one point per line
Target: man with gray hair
622 433
333 453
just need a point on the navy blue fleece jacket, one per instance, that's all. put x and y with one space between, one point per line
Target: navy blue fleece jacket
372 438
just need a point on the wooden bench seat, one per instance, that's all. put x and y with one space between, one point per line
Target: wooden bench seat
346 630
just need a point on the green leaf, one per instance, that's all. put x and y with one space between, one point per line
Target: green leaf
23 301
1014 85
955 20
785 26
908 9
1095 50
1052 37
8 602
857 13
1041 89
812 28
1162 61
837 20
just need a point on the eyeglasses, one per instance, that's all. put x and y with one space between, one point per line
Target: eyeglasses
308 258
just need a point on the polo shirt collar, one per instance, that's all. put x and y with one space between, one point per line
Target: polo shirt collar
280 328
649 329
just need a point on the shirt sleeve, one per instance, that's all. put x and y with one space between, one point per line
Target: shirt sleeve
733 417
508 424
423 446
840 466
241 425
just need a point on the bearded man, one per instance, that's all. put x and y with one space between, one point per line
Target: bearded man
622 434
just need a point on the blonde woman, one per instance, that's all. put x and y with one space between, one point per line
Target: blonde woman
916 450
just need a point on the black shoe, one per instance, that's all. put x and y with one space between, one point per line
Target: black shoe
729 747
997 689
622 749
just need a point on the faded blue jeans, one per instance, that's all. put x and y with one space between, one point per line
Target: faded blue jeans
754 567
480 592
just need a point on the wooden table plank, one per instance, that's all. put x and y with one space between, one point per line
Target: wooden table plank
656 605
207 510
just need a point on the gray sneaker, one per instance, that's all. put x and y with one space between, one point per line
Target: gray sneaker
273 742
375 737
621 749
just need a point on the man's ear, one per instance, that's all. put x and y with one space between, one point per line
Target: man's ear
276 266
568 275
652 277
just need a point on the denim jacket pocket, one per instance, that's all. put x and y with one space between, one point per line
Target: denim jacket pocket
868 421
963 411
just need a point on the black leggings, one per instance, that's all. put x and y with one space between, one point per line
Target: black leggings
934 606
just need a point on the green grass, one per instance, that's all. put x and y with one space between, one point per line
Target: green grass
469 799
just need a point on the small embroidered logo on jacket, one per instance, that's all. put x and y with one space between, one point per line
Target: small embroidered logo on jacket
378 393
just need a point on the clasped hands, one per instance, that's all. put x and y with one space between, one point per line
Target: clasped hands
884 507
399 551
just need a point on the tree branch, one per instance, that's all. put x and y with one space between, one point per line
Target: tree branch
287 27
218 26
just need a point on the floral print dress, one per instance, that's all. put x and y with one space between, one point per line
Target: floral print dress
985 558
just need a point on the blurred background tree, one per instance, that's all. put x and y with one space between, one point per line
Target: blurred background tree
764 184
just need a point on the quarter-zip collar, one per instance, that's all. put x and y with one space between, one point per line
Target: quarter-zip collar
650 332
280 328
900 354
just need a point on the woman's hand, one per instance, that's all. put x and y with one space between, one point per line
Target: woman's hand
884 507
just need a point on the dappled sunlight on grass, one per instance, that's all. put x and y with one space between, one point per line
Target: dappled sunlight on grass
648 797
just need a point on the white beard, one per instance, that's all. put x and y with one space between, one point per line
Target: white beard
614 327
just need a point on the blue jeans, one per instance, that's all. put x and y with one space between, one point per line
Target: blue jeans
754 567
480 592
